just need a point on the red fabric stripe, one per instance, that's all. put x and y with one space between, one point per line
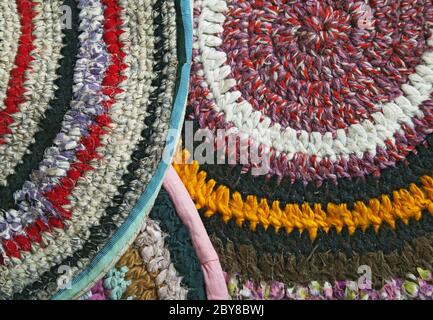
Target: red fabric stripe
58 195
15 92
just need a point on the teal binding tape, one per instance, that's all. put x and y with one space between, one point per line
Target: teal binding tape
125 235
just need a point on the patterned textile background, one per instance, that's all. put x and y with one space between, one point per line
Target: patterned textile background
304 169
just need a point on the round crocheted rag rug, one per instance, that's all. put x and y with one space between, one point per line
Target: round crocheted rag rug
89 93
335 98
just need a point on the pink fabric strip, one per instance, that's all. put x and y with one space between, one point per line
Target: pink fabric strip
216 288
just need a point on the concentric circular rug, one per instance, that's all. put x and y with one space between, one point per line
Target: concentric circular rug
89 90
337 95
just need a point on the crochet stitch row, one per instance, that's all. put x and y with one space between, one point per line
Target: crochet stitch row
404 204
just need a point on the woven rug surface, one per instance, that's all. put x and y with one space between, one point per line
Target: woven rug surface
89 90
337 96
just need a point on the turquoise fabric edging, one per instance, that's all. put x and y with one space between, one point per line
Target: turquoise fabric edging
127 232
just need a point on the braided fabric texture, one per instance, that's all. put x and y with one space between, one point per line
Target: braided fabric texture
338 96
144 272
161 264
85 109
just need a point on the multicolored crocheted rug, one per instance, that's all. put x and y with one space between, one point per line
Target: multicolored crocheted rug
89 91
337 95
